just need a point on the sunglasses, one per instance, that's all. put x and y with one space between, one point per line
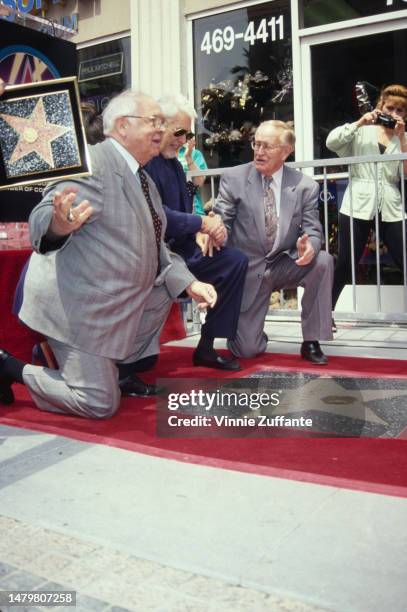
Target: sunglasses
180 132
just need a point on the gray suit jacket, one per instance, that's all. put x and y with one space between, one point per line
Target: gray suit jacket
240 203
90 291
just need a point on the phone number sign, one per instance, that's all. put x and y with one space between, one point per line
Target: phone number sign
267 30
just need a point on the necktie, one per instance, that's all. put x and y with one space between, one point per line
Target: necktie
270 212
157 223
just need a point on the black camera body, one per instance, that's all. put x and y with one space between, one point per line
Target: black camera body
365 106
386 120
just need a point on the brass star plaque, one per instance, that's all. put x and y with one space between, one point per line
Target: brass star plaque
41 133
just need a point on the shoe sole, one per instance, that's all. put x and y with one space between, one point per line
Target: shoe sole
215 367
317 363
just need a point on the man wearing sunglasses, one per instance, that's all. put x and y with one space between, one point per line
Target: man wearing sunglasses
226 268
271 213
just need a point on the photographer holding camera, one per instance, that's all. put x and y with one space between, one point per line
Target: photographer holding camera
381 130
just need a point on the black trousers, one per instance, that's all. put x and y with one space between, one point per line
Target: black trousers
391 232
226 271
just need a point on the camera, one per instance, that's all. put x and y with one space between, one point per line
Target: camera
365 106
386 120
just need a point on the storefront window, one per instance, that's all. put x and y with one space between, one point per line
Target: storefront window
378 60
320 12
104 70
243 75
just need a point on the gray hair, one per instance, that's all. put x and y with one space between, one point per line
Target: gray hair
125 103
286 129
173 104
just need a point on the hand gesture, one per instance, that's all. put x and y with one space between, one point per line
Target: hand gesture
66 218
189 147
203 293
212 224
400 127
205 243
305 249
368 118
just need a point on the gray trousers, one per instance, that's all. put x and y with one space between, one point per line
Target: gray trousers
316 314
87 385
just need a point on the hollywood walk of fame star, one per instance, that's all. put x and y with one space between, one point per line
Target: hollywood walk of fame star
326 395
35 134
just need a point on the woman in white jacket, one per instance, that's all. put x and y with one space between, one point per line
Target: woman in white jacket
366 137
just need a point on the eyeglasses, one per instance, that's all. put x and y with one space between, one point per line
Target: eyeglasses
257 145
156 122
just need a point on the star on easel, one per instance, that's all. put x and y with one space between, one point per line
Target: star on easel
35 134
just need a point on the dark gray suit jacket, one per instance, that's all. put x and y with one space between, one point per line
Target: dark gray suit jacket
240 203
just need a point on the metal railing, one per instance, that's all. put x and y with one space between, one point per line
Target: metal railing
307 166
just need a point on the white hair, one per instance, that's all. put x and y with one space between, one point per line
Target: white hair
285 130
177 103
125 103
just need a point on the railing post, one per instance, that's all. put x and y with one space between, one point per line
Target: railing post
352 244
377 229
403 232
326 209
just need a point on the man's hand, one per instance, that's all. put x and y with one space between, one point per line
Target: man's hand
306 251
213 225
2 87
203 293
67 219
205 243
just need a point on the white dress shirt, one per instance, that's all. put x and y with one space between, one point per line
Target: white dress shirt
131 161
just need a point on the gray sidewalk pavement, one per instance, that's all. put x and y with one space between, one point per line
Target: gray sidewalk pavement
137 532
110 580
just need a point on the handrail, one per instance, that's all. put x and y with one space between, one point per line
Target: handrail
323 177
318 163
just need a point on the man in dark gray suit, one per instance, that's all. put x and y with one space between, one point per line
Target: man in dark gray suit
271 214
101 280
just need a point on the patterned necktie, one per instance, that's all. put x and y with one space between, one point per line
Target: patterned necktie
154 215
270 212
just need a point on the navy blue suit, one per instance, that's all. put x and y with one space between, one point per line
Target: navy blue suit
226 270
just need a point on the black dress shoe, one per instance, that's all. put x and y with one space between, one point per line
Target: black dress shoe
215 361
134 387
6 392
312 351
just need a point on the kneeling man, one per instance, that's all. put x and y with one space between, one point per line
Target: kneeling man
271 214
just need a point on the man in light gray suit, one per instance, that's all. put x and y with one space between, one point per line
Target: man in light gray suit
271 214
101 281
